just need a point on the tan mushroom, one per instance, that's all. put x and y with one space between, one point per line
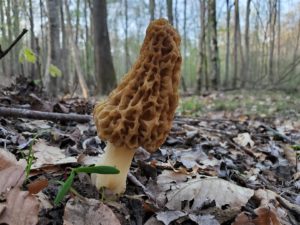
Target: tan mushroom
139 112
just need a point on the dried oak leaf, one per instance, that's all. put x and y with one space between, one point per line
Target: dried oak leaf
198 191
264 216
11 171
88 211
20 208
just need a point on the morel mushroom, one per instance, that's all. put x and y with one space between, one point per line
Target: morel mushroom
139 112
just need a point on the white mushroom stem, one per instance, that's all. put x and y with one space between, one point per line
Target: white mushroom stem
119 157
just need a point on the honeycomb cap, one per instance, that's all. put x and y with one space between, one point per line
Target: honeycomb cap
139 112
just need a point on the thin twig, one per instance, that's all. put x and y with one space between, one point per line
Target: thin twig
32 114
3 53
134 180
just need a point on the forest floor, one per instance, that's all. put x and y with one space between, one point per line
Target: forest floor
230 158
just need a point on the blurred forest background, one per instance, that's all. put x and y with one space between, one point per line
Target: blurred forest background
88 45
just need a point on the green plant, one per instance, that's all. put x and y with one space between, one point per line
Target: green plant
30 156
64 189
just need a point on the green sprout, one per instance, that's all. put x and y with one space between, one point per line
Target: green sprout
30 156
64 189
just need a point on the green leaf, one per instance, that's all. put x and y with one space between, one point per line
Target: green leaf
97 169
27 55
64 188
54 71
296 147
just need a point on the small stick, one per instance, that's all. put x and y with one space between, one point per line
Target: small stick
38 115
3 53
134 180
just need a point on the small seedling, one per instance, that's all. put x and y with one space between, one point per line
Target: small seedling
30 156
64 189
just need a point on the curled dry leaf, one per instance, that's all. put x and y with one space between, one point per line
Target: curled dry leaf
244 139
88 211
11 171
20 208
264 216
199 190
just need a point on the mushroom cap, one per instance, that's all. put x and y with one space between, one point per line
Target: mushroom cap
139 112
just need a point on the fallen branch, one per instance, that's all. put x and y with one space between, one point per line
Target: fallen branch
38 115
3 53
276 133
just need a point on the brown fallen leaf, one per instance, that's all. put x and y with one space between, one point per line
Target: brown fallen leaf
37 185
201 190
264 216
88 211
20 208
12 172
49 155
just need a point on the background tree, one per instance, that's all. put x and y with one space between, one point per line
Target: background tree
214 57
152 9
104 69
202 68
170 10
54 36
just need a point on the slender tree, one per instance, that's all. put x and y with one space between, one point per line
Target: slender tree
202 67
77 22
65 50
246 65
127 57
10 38
273 11
235 44
170 10
152 9
4 37
53 14
104 69
278 35
184 47
75 55
32 38
227 57
214 57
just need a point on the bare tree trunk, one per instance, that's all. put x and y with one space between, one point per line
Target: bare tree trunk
227 44
127 57
104 69
4 37
151 9
87 44
246 71
16 29
184 48
32 38
10 38
214 57
170 10
53 14
65 51
202 68
77 22
75 55
273 10
235 44
278 35
176 14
